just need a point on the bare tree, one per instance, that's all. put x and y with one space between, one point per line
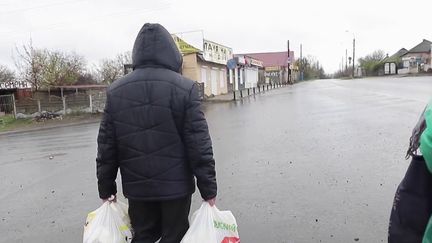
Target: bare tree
111 69
372 62
30 63
87 78
311 68
124 58
6 75
44 68
62 68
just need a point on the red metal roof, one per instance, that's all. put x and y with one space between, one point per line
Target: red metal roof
271 59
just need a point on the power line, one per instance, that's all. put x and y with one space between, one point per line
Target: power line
88 20
39 7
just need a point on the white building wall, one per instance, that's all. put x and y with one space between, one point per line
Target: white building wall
251 77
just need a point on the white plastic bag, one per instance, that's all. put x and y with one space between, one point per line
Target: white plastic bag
109 223
210 225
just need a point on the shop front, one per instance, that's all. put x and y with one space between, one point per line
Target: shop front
208 67
245 74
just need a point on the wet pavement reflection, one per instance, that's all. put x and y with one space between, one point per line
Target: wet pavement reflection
314 162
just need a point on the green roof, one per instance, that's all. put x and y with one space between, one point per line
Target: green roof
400 53
396 57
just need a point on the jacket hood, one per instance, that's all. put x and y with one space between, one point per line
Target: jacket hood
154 46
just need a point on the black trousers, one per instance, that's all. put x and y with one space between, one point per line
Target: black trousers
164 220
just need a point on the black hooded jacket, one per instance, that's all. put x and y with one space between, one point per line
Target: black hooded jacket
153 127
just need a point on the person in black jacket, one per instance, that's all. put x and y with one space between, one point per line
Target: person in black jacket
154 130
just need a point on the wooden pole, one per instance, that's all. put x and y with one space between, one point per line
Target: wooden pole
14 106
91 103
64 105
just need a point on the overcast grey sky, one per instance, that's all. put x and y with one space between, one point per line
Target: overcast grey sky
99 29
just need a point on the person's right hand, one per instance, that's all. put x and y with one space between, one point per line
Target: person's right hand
112 198
212 201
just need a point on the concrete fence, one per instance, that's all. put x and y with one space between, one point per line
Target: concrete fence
7 105
74 103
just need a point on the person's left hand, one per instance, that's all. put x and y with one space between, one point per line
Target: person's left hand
212 201
113 198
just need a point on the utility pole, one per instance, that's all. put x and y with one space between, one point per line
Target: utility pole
353 72
342 65
301 62
289 63
346 61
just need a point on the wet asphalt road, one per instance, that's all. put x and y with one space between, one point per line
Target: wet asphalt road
315 162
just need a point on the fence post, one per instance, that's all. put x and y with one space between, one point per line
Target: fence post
248 91
14 106
91 103
254 90
234 94
64 105
39 106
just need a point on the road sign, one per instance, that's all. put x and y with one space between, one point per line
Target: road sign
231 64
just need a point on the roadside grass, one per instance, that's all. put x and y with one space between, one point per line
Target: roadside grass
8 123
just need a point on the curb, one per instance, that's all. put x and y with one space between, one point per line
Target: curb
218 101
36 129
215 100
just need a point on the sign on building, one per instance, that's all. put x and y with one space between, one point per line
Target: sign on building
272 68
217 53
15 85
183 46
255 62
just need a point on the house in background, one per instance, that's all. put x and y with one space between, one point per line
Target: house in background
418 59
276 65
246 73
19 89
212 75
208 66
394 63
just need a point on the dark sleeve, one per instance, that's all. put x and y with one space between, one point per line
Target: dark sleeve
106 161
199 146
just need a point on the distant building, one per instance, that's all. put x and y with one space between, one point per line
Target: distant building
207 67
212 75
394 63
417 59
20 89
246 72
276 65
